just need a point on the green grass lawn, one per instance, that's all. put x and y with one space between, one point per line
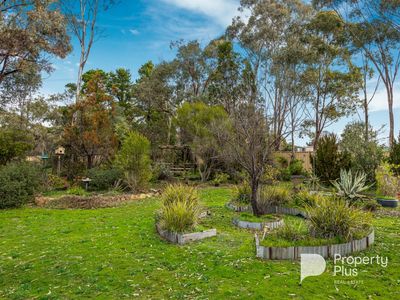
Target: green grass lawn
115 253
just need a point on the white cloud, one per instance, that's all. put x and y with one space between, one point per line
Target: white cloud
134 31
379 102
221 11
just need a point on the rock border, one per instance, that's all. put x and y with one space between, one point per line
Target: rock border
326 251
184 238
257 225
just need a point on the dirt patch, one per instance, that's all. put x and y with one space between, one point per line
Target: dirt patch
89 202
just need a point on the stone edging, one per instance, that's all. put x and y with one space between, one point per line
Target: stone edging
294 253
231 206
285 211
183 238
257 225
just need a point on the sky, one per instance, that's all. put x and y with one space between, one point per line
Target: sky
136 31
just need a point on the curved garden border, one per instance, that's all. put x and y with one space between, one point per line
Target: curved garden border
294 253
257 225
236 208
184 238
292 211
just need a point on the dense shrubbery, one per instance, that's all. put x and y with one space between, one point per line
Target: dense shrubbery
328 160
365 152
333 217
394 157
180 208
287 168
104 179
220 178
57 183
18 184
134 159
386 182
14 143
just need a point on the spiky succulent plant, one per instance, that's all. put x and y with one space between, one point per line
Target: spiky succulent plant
351 186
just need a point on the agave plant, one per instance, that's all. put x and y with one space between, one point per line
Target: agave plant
350 186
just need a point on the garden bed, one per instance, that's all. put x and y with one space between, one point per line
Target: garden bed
88 202
260 224
326 251
184 238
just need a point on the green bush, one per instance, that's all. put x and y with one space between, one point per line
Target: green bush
296 167
242 193
180 208
14 144
333 217
162 172
386 182
365 154
104 179
18 184
134 159
328 160
57 183
77 191
394 157
220 178
271 195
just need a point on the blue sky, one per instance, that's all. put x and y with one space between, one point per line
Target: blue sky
140 30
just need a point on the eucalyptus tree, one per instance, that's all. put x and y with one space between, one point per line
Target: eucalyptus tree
266 37
26 41
374 30
82 16
332 81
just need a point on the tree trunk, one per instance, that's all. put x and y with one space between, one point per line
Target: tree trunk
366 120
89 162
254 196
391 117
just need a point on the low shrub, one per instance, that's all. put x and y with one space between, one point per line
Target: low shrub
271 195
386 182
243 193
104 179
77 191
296 167
180 208
18 184
162 172
333 217
134 159
220 178
57 183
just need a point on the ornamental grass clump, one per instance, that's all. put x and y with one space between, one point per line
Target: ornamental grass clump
243 193
334 217
271 195
180 208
